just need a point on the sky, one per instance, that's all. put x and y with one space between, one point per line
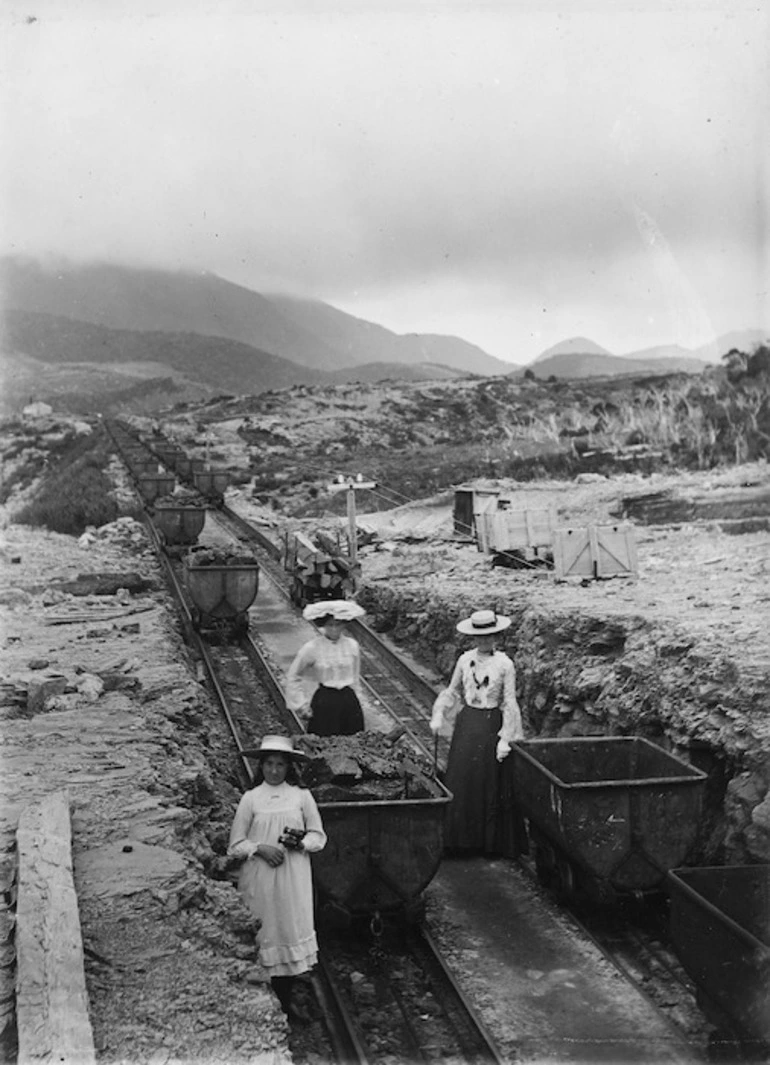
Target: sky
511 173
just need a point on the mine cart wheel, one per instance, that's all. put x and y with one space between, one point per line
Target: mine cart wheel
195 616
298 592
241 624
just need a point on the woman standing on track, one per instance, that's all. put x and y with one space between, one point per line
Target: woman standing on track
329 665
276 828
481 817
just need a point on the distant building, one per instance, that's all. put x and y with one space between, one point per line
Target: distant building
37 410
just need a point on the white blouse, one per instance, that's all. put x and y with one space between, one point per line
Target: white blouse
266 810
333 663
486 682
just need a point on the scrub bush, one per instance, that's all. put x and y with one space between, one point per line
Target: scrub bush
75 492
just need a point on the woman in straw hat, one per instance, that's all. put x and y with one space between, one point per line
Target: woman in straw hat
483 689
276 828
329 667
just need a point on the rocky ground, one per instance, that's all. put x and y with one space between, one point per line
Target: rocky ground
679 653
101 699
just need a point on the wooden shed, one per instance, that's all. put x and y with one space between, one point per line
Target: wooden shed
468 500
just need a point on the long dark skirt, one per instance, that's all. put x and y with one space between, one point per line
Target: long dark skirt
482 817
335 712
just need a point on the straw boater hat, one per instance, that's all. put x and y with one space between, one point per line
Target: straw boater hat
483 623
274 745
341 609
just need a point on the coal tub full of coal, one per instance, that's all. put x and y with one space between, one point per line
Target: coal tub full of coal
222 585
383 811
180 517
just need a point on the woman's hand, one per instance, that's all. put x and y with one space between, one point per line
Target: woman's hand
503 750
272 855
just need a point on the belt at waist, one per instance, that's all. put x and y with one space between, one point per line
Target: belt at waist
484 709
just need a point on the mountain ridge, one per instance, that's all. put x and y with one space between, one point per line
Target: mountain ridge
307 332
307 336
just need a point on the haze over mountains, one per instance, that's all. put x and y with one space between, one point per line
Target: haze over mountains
197 335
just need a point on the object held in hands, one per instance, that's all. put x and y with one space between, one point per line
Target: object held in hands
292 837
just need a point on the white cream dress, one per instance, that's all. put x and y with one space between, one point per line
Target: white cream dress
281 896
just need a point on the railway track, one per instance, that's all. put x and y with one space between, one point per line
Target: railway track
446 1022
420 980
405 696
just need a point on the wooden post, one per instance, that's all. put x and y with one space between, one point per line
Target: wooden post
351 485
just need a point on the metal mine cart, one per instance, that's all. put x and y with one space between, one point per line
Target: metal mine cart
720 927
179 524
221 595
212 483
607 815
153 485
380 855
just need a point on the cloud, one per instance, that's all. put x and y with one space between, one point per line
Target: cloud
507 149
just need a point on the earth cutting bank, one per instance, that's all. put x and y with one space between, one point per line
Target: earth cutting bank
609 659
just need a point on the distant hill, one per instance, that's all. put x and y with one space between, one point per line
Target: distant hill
308 332
372 372
573 346
213 361
365 342
745 340
578 365
54 357
672 357
581 357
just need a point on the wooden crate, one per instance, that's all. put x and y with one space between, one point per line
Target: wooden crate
595 551
514 530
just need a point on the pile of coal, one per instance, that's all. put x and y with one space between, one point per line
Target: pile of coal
222 556
366 767
182 497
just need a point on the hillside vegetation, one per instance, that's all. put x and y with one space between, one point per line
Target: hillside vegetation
421 438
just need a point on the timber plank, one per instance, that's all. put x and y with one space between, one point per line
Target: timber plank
51 997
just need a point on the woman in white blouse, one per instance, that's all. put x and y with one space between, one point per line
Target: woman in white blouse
276 828
329 667
481 818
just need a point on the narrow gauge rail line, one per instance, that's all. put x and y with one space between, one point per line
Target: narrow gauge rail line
460 1032
402 1001
638 944
390 681
633 936
651 967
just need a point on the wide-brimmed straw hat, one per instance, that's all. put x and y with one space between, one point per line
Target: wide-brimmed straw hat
274 745
483 623
341 609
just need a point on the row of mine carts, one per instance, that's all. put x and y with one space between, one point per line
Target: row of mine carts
608 819
221 594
